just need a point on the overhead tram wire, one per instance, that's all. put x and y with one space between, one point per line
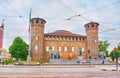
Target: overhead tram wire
9 16
16 11
110 23
95 9
76 14
73 12
89 12
109 39
67 7
102 7
13 8
107 30
107 25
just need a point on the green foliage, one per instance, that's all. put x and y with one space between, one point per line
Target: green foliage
19 49
118 49
106 53
103 45
113 55
9 61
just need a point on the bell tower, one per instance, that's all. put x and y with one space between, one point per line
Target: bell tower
37 38
92 39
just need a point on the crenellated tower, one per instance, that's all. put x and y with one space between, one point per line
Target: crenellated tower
92 39
37 38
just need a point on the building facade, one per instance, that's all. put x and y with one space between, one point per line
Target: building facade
1 35
63 44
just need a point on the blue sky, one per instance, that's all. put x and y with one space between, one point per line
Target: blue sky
55 13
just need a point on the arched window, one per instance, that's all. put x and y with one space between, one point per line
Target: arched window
92 25
42 22
37 21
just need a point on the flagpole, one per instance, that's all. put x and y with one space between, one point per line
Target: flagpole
29 30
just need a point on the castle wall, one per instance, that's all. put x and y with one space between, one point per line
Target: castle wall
73 46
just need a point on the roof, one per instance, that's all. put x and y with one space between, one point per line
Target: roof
91 23
63 33
38 19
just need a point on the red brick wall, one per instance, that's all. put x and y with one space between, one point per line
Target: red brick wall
37 39
92 39
77 44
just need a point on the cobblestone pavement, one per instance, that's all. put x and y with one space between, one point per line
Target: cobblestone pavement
57 72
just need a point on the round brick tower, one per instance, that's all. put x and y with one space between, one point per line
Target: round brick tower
37 38
92 39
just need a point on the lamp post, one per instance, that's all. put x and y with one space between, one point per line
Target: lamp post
116 56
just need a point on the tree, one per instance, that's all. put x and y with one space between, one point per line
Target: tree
19 49
103 45
118 49
112 53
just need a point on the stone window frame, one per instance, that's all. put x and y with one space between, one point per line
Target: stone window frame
36 47
59 49
73 49
50 38
65 48
47 48
46 37
53 47
83 49
36 37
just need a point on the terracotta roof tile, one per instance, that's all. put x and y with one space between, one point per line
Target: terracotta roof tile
63 33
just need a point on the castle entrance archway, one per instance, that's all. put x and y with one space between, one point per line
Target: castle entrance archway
54 55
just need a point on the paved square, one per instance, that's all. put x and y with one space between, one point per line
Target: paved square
59 71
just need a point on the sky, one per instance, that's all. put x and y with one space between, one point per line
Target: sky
56 13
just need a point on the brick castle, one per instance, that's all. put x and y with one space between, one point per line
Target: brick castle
63 44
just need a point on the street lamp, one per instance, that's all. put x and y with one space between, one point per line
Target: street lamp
116 56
